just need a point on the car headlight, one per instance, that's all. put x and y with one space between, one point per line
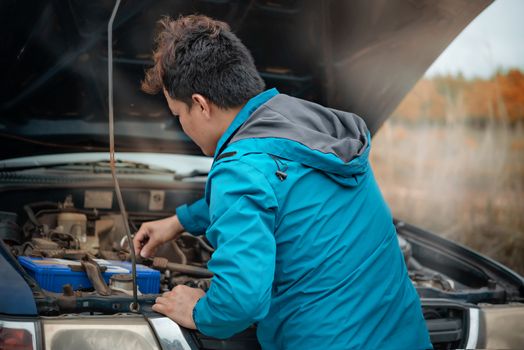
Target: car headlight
502 326
98 332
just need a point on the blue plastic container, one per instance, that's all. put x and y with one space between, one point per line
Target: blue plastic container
51 274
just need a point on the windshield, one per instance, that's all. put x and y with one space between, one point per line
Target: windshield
182 165
450 159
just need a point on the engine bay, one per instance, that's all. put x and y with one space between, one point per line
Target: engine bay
86 239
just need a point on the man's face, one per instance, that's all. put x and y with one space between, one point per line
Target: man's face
197 123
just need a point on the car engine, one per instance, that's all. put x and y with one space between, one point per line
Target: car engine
59 230
62 232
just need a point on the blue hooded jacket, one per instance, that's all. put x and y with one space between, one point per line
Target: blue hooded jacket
305 243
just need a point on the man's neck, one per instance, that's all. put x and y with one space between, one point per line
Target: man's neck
226 117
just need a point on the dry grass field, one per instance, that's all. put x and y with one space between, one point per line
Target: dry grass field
461 182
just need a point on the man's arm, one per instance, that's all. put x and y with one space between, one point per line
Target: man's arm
195 217
242 211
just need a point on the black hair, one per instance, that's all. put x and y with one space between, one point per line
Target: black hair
196 54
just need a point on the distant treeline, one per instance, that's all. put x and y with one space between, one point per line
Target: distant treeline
452 98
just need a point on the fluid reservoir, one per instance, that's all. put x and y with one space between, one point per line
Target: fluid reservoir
75 224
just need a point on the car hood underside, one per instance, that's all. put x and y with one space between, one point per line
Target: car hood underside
359 56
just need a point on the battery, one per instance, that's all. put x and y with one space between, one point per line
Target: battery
51 274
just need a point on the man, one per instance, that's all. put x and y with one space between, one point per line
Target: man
305 244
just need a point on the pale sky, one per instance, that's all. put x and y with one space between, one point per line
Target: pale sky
494 39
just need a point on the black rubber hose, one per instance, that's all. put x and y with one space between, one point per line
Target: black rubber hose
30 211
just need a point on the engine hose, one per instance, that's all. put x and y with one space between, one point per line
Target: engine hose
32 217
204 245
163 263
179 252
29 210
200 241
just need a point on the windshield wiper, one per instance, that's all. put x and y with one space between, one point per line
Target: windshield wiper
192 174
101 166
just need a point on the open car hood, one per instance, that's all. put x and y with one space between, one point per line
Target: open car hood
361 56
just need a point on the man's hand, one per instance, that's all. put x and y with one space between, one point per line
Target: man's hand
154 233
178 304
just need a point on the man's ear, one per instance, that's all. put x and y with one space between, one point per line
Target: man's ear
202 104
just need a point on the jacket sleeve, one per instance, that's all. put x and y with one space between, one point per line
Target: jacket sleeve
242 210
194 217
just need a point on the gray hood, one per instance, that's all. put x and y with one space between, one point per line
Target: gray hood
333 141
